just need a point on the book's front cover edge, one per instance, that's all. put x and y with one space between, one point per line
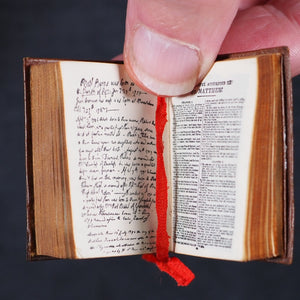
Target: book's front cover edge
290 161
30 232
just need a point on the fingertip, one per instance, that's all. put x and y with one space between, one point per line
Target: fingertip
160 64
118 57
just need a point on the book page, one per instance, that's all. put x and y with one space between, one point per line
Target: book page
211 146
110 129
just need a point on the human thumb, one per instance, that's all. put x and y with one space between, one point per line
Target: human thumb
171 45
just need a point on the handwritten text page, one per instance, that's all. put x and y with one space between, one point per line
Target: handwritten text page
112 160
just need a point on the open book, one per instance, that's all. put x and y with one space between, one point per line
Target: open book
91 161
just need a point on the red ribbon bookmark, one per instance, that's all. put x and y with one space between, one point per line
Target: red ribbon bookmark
171 265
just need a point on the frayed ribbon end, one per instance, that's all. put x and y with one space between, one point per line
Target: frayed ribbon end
174 267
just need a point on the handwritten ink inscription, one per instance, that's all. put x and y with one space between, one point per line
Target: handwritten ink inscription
115 132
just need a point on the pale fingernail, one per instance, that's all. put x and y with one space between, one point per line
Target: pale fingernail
163 65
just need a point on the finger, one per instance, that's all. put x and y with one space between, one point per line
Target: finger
118 57
275 24
248 3
170 45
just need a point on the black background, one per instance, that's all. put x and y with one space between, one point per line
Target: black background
94 30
